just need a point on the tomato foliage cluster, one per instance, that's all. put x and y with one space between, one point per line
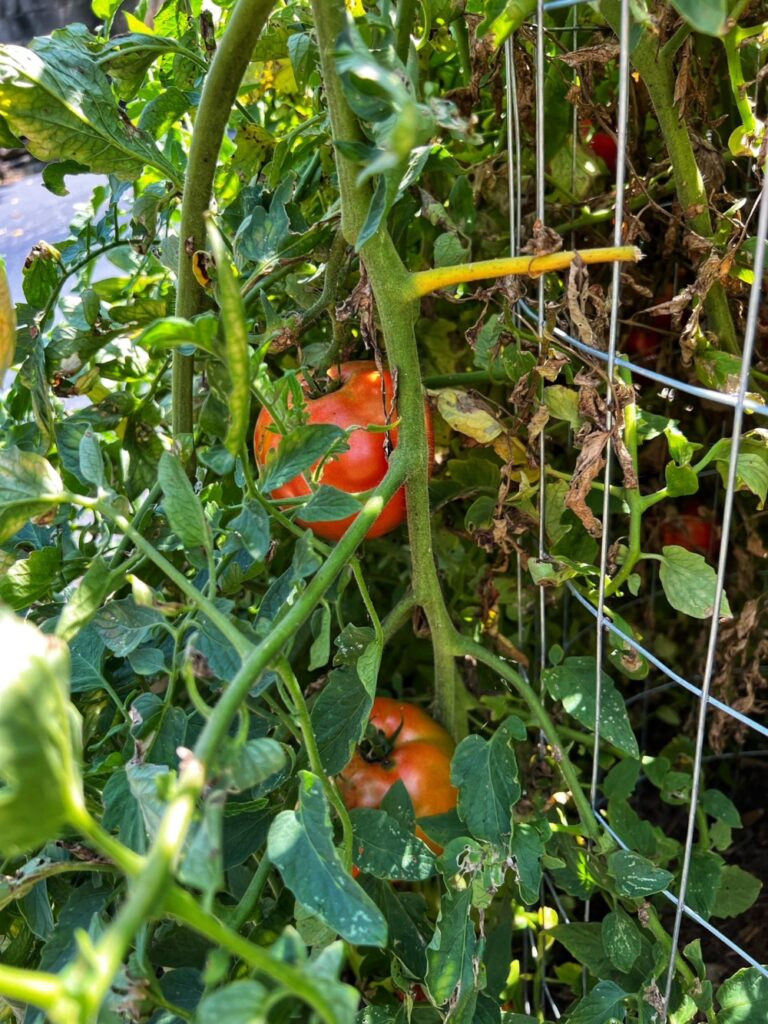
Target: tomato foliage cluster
197 819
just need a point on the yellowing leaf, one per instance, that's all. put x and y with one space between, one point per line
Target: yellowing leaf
467 415
355 8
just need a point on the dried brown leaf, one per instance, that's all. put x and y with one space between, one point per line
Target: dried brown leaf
589 463
603 53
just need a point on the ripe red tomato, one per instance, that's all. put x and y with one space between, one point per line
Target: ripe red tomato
412 748
643 342
604 146
358 402
688 531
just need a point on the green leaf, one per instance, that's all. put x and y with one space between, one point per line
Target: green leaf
575 683
385 849
240 1002
39 738
485 773
584 942
300 844
705 876
603 1005
621 939
92 591
707 16
527 849
91 462
30 578
251 529
255 762
62 104
680 480
635 876
743 998
563 404
202 866
620 781
737 892
689 583
339 717
300 450
181 505
236 345
328 504
451 951
29 486
720 807
123 625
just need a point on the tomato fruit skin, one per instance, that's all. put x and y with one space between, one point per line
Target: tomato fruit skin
604 145
643 342
420 757
690 532
358 402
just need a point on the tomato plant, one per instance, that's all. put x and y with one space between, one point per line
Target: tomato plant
363 399
203 809
402 744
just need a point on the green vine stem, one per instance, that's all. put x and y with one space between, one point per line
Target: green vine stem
738 84
225 626
299 707
283 631
34 987
658 74
219 94
395 302
245 908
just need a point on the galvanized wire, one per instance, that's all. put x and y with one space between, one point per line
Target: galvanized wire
722 562
541 211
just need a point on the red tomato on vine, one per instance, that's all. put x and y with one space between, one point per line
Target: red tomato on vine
365 398
405 744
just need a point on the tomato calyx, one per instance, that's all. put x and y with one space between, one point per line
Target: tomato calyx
376 746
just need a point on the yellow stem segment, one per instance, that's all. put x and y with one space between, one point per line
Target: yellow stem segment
427 281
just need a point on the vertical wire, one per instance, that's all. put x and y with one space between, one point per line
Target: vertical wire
515 184
738 417
623 117
540 216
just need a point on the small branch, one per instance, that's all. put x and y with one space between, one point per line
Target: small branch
219 94
426 281
284 630
301 712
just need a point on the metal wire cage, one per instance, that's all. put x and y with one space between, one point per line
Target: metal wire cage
738 400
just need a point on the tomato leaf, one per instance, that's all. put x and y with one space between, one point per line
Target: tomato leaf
299 450
603 1005
181 505
743 998
708 16
30 578
689 583
300 844
7 324
485 772
635 876
328 504
575 684
737 892
621 939
29 486
451 952
339 717
385 849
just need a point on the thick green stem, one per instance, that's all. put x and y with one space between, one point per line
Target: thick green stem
185 908
738 84
285 629
218 96
658 74
395 302
34 988
245 908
